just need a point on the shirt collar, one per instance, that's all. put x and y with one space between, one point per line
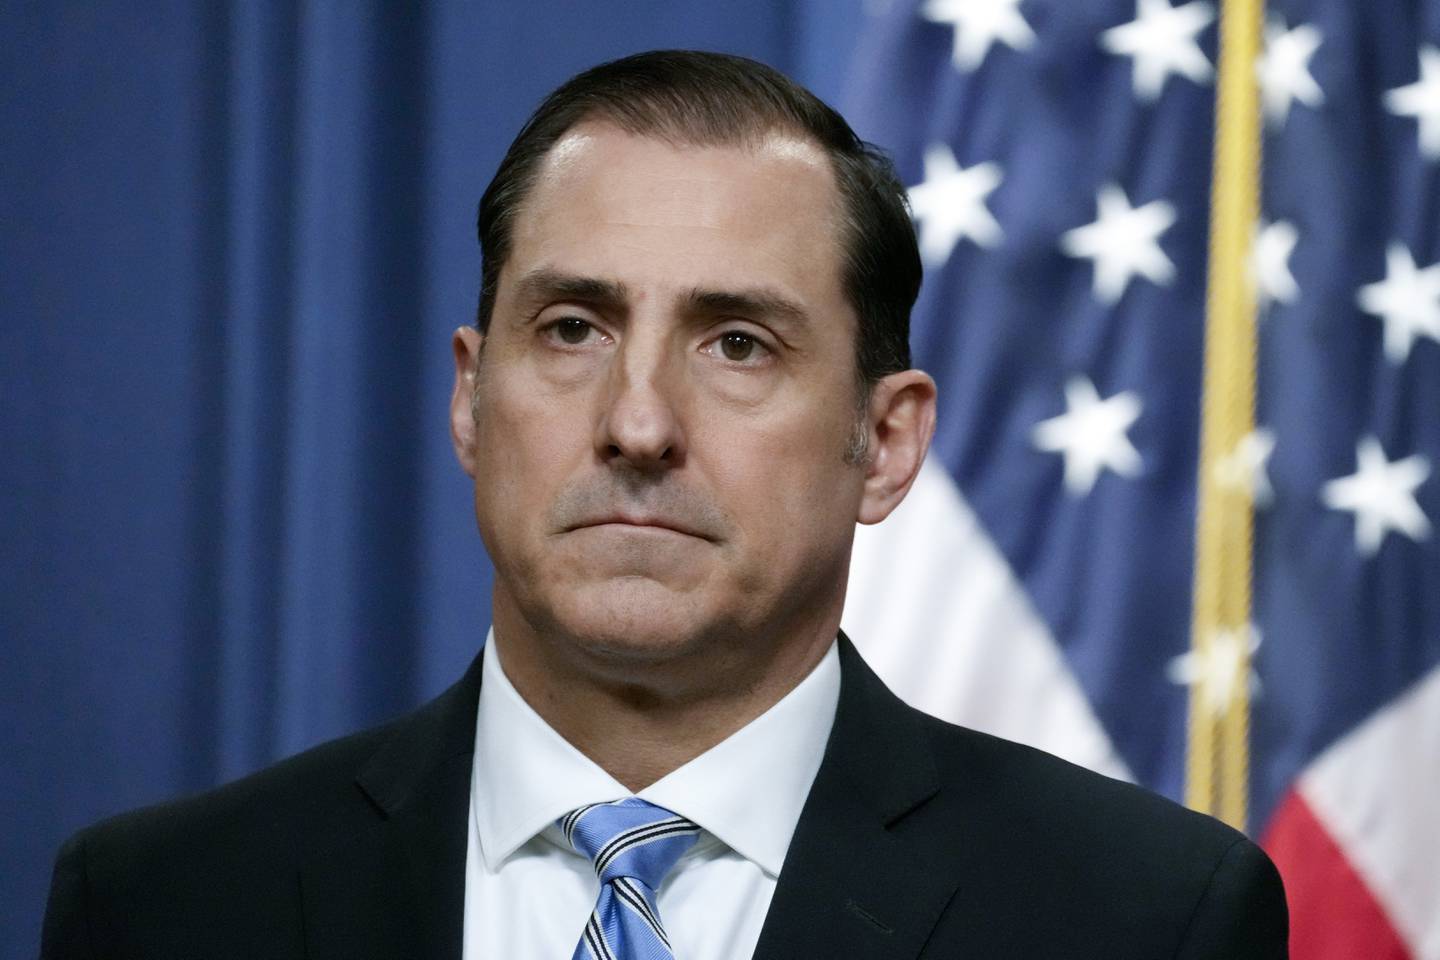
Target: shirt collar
747 791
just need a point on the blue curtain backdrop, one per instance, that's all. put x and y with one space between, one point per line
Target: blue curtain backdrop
236 238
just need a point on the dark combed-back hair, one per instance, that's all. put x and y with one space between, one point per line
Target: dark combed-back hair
710 99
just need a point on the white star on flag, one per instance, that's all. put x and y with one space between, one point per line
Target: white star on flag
1219 667
1381 494
1245 467
1407 300
1091 435
1123 241
1284 70
1161 39
950 204
1421 100
978 25
1270 263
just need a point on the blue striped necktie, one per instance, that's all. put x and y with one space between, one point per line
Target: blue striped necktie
632 844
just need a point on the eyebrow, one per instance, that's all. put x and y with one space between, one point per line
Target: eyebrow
548 284
748 303
553 284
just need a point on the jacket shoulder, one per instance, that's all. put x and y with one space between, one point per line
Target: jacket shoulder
272 805
300 802
1045 789
131 884
221 873
1102 855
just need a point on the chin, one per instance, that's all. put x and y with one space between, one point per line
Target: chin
632 619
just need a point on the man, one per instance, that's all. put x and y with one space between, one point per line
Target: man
688 381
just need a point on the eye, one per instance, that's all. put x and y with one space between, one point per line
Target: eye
738 346
572 330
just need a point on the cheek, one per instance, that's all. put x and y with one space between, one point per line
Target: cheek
528 443
786 475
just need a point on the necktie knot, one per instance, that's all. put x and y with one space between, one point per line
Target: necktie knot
629 838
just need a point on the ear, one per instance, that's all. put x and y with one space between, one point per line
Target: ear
467 344
902 421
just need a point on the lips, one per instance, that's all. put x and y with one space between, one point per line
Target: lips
641 521
615 499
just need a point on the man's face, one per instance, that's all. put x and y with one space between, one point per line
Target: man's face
665 396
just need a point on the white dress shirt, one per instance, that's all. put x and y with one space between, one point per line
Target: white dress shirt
528 895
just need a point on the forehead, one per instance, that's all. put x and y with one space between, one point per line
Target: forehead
654 214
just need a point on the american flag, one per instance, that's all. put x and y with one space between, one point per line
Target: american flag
1038 582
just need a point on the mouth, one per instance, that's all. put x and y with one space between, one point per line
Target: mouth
640 524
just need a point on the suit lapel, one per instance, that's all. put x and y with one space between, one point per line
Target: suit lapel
863 877
395 888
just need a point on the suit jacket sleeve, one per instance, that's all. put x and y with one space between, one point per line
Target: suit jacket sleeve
66 934
1242 913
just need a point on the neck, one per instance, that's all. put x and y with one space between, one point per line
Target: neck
638 721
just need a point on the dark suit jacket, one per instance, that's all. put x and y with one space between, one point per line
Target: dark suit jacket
919 839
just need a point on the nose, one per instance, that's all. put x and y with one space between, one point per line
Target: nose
640 422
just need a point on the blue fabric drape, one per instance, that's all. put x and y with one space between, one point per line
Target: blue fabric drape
236 238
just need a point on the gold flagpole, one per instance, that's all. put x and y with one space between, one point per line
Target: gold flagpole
1217 769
